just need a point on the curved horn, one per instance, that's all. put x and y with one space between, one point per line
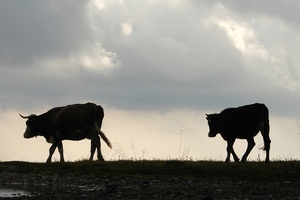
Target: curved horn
24 117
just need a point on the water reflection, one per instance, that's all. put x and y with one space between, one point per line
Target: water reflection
9 192
19 190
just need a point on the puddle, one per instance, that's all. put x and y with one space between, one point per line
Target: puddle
19 190
6 192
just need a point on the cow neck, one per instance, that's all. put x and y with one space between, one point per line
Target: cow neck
44 124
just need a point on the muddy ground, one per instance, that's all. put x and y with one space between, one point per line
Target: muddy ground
43 185
85 181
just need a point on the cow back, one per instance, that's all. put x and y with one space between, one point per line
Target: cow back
244 121
77 117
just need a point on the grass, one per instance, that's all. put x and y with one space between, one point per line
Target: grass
275 171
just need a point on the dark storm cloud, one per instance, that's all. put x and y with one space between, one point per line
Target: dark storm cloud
172 55
34 30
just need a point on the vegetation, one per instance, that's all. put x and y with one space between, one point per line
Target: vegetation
274 171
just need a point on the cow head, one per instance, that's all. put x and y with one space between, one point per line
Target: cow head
30 126
213 124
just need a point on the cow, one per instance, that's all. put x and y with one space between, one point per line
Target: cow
71 122
243 123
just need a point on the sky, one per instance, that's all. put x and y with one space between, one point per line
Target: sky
156 67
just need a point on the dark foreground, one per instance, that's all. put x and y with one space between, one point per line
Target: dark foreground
153 180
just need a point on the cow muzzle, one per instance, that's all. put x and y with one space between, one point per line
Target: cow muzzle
28 133
210 134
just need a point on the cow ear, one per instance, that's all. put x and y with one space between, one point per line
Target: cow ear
208 118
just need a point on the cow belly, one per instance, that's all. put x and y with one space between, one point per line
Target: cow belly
77 135
244 133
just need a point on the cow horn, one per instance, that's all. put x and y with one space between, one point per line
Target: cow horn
24 117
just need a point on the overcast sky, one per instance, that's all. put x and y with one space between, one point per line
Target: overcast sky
155 66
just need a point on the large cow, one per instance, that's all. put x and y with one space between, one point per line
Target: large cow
72 122
243 123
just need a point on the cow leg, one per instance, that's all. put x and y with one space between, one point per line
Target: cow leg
265 133
93 149
95 144
231 151
51 151
251 144
265 130
267 142
99 155
61 151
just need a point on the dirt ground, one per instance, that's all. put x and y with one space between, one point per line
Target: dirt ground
53 186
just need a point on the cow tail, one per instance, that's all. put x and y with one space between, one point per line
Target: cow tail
102 135
100 116
266 128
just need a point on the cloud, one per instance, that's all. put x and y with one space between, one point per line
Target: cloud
38 30
127 28
187 55
264 33
280 11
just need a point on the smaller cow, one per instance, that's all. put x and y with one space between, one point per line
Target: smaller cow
72 122
243 123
